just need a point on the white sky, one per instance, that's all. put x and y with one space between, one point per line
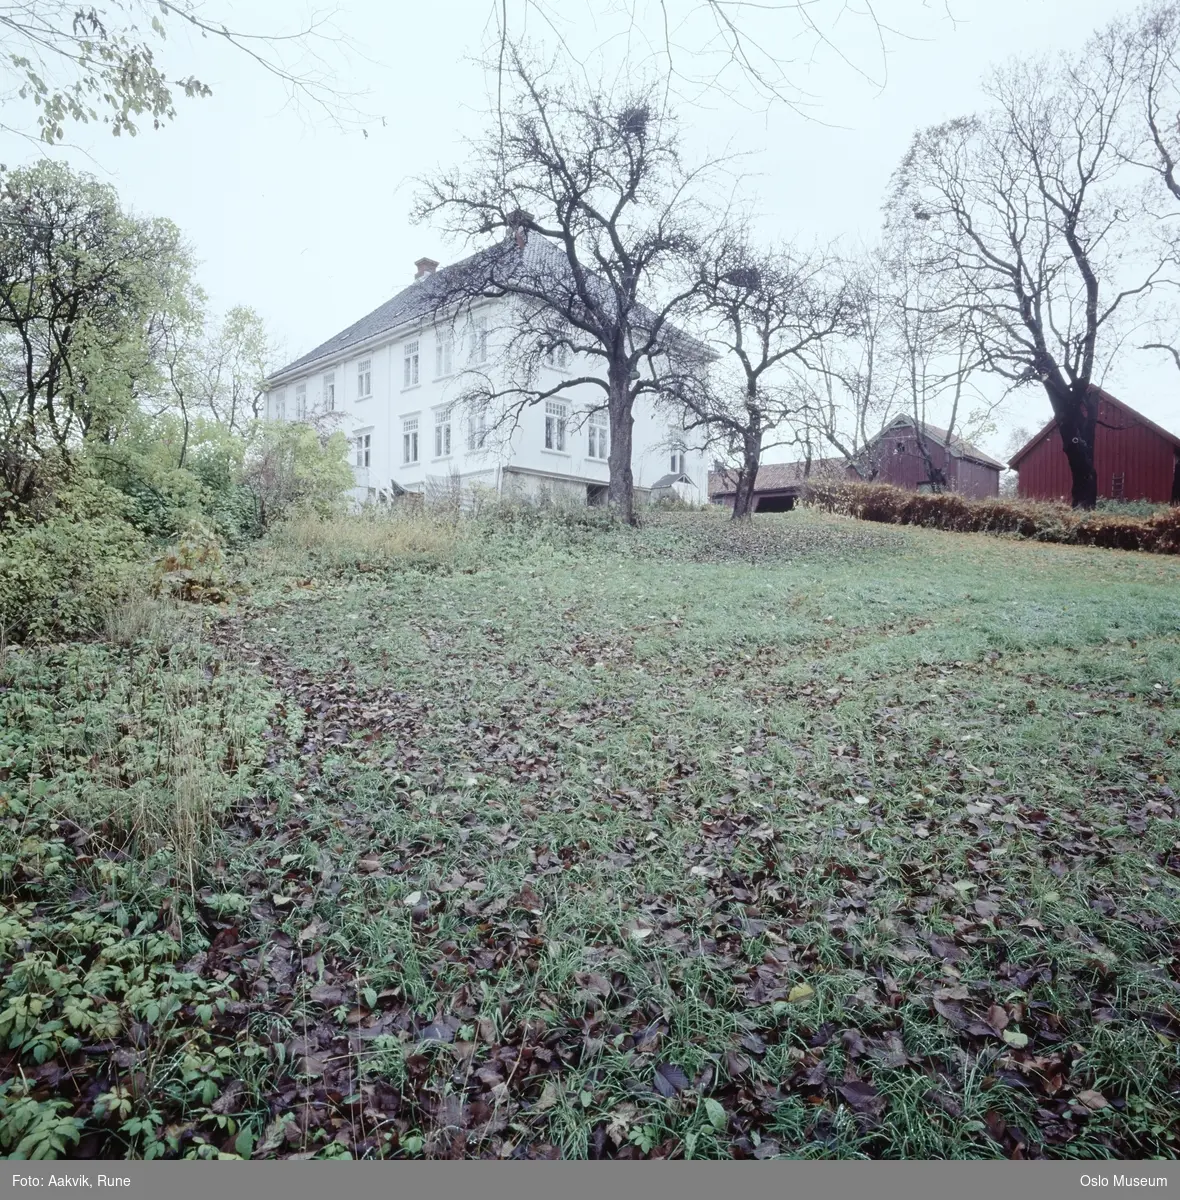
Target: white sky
309 224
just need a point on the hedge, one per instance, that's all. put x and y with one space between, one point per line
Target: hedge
1158 534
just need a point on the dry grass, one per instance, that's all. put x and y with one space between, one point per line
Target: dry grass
401 537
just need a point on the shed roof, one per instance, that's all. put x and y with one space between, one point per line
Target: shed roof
666 481
772 476
1114 402
956 445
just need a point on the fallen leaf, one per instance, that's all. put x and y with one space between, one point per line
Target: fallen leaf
1093 1100
717 1115
669 1079
1015 1038
412 899
801 991
862 1097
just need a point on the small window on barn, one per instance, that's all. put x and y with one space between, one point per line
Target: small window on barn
1117 486
899 448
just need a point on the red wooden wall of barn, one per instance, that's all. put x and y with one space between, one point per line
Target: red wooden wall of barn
1123 446
900 462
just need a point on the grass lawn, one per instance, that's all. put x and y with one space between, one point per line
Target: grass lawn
816 839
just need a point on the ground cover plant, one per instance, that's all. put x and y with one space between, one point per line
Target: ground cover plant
533 836
1116 525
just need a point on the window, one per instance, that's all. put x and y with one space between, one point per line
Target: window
410 440
364 379
330 392
444 352
479 340
410 364
442 433
556 417
363 446
1118 486
678 460
278 402
301 402
599 445
477 430
557 357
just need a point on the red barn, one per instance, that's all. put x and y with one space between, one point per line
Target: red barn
896 457
1135 459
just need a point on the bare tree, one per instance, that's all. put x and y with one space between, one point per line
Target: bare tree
767 309
597 213
1022 212
850 386
756 52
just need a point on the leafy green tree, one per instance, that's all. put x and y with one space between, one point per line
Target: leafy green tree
75 64
83 292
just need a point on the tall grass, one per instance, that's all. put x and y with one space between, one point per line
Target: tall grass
141 744
401 537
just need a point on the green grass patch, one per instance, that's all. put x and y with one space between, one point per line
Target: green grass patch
545 837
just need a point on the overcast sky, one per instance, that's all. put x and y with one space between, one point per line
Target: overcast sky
309 223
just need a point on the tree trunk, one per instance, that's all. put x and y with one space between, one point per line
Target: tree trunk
744 501
1076 410
620 493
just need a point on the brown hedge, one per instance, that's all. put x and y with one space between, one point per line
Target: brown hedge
1158 534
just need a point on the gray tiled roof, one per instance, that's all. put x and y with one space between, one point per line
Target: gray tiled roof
458 282
412 303
773 476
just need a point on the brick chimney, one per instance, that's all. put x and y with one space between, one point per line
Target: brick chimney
518 222
426 266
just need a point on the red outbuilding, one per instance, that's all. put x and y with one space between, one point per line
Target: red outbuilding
1135 459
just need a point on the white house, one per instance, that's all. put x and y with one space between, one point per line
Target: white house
393 382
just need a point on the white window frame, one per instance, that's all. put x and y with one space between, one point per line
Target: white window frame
444 353
479 339
279 405
477 430
598 427
678 460
442 432
301 402
364 379
557 415
363 445
329 386
411 364
410 441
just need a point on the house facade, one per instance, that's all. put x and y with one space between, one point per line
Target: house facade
1134 458
397 383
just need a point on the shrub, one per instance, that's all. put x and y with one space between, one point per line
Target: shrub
291 468
61 575
1158 534
193 570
